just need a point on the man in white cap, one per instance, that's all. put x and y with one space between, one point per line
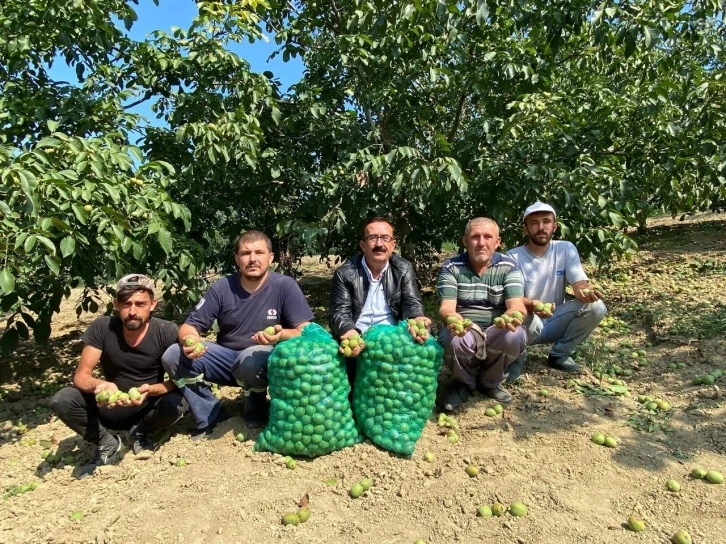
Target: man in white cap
548 267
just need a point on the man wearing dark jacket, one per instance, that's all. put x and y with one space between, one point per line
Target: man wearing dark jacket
375 287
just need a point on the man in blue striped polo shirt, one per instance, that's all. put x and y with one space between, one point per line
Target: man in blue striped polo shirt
481 285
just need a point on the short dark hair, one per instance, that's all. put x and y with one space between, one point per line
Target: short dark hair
122 295
253 236
377 219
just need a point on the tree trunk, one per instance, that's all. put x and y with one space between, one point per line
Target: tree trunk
642 216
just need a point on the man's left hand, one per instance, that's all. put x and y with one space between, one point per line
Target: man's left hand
144 389
265 339
415 334
510 320
584 292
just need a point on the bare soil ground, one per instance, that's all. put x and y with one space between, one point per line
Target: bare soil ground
672 296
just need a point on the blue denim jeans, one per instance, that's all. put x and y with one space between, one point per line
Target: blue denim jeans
569 327
220 365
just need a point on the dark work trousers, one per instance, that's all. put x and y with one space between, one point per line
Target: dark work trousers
80 412
220 365
350 367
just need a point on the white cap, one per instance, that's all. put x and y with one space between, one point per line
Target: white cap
539 207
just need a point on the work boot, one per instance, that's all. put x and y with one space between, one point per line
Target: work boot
565 364
497 393
456 397
514 370
204 432
257 410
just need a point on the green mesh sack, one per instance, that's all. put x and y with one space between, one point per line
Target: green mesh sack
310 414
395 386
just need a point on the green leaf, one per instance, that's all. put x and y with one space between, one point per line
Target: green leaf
619 389
482 12
80 213
7 281
22 330
650 34
46 242
48 141
165 240
9 341
68 246
53 263
616 219
136 153
138 251
29 243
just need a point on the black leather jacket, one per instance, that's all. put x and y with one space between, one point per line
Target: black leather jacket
350 289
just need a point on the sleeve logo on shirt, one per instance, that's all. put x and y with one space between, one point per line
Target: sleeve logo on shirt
271 313
560 273
201 303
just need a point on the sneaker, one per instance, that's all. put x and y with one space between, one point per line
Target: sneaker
140 443
204 432
107 452
498 393
256 410
456 398
565 364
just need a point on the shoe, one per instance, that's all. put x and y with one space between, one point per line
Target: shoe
140 442
498 393
565 364
456 398
257 410
514 371
199 434
106 452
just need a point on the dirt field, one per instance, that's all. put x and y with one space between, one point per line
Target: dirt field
539 452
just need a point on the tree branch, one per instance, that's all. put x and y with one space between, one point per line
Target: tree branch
144 98
457 117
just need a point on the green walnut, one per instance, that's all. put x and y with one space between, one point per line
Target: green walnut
518 509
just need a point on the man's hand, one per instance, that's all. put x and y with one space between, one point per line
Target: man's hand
105 386
419 328
457 325
193 347
351 343
269 337
541 309
144 390
108 387
584 292
509 320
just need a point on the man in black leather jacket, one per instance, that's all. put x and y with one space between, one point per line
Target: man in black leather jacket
375 287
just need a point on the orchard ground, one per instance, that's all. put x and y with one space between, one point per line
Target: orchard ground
671 300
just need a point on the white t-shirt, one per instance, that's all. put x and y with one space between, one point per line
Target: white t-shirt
545 277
